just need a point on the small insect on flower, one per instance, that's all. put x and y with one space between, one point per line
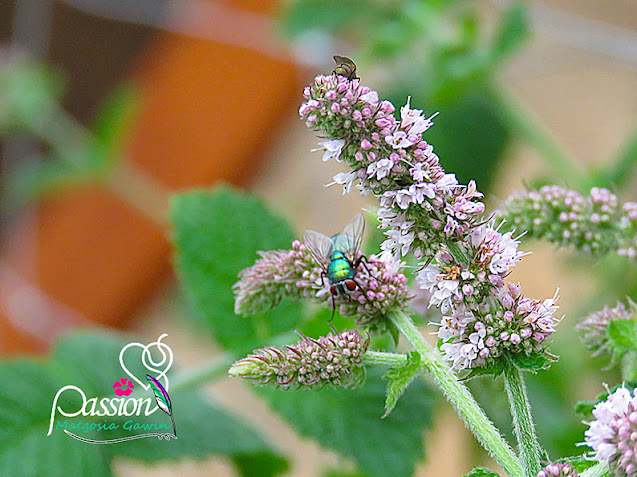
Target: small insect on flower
338 256
345 67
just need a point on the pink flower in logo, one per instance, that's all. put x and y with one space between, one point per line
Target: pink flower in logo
123 387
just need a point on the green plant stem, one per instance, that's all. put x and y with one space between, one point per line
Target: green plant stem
460 397
523 425
379 358
208 371
529 129
598 470
621 171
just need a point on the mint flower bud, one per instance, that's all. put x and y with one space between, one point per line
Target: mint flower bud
477 336
613 434
276 275
420 205
558 470
334 360
595 224
594 328
294 274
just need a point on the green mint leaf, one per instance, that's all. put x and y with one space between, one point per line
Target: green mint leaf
399 378
203 429
217 234
580 462
623 334
25 409
91 362
348 421
585 408
482 472
495 370
533 362
514 30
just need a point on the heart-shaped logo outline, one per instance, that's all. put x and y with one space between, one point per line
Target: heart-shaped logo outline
146 357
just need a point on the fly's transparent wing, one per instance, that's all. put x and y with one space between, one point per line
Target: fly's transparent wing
352 236
319 247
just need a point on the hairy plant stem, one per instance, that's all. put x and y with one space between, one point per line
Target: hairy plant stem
523 425
460 397
379 358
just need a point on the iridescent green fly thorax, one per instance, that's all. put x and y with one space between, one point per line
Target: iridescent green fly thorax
340 268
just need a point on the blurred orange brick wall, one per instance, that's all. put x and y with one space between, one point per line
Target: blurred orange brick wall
207 110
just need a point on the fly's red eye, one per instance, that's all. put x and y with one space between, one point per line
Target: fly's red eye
333 290
350 284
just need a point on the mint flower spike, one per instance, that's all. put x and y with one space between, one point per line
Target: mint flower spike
334 360
594 328
420 205
484 317
558 470
597 224
294 274
613 433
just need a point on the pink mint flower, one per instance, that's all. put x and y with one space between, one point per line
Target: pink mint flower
475 335
409 116
380 168
441 209
123 387
613 433
399 140
332 149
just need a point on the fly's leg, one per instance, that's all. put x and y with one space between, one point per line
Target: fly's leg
333 309
332 297
362 260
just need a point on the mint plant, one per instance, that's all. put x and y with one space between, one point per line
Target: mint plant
464 258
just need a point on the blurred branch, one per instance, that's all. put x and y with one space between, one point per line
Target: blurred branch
582 32
29 107
71 141
530 130
622 170
206 372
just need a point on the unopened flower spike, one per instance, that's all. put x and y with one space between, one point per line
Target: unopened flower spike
334 360
598 224
594 329
563 469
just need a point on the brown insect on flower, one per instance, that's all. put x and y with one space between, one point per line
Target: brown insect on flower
345 67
